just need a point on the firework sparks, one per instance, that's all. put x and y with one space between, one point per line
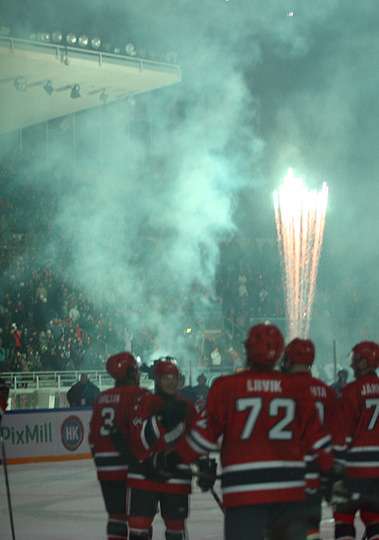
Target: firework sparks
300 221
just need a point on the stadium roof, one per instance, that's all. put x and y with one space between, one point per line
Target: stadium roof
27 66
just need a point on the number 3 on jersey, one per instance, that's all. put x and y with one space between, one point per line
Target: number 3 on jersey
276 406
108 414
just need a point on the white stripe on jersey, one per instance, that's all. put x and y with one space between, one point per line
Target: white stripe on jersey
322 442
154 425
263 487
171 481
363 449
200 444
262 465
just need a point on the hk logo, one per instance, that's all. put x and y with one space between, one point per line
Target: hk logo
72 433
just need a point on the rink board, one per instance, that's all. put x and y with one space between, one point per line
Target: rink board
46 435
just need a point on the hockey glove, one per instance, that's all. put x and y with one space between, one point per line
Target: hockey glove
207 473
328 479
174 413
161 466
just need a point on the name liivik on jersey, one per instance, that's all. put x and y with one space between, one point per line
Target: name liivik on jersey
263 385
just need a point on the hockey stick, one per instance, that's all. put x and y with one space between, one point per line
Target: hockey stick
7 485
217 499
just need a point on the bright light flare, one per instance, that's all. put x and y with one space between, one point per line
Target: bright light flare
300 221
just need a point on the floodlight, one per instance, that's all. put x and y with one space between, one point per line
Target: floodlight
130 49
57 36
83 41
71 39
48 87
44 36
75 91
96 43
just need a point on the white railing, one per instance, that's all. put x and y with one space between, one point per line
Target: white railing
48 389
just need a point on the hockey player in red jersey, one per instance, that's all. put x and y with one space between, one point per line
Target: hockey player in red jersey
360 411
266 425
160 419
4 394
114 407
298 359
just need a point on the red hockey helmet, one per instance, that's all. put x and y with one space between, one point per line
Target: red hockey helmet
300 351
166 366
368 350
122 365
264 344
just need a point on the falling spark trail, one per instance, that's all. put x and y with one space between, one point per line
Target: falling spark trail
300 221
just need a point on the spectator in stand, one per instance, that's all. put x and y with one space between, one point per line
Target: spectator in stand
242 282
216 359
24 340
16 339
40 313
41 291
82 393
74 314
202 389
19 310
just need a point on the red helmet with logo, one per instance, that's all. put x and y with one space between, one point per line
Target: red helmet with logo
368 350
166 366
300 351
264 344
122 365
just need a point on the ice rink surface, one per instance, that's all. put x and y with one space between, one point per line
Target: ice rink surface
62 501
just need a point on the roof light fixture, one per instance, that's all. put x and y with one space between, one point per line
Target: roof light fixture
48 87
130 49
75 91
96 43
83 41
57 36
70 38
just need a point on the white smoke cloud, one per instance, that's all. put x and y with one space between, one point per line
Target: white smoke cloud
261 91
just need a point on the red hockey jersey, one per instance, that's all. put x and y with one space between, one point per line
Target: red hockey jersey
265 424
328 408
152 437
3 406
114 406
360 412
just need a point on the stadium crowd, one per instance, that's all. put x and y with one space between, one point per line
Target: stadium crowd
49 322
